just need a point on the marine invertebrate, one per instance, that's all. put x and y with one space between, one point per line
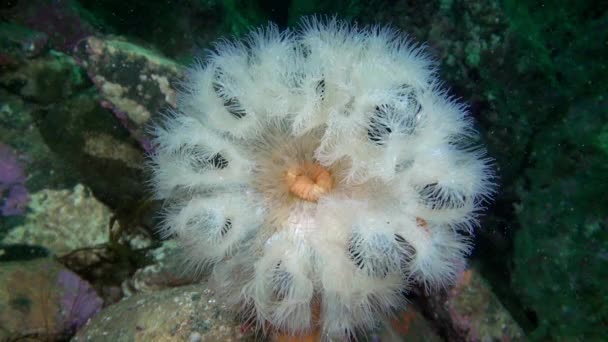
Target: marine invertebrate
321 172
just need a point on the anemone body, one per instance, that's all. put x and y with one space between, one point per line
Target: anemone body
361 106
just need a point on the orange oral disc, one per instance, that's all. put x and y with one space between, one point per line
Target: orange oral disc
309 181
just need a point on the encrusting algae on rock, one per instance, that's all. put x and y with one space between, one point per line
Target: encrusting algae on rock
320 172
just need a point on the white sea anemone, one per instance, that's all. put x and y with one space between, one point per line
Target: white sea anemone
321 172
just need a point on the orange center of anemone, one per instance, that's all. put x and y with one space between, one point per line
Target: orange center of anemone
308 181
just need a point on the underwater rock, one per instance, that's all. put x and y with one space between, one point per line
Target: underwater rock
466 36
186 25
94 144
560 259
46 79
470 311
166 271
134 82
18 43
55 107
409 325
63 221
189 313
41 167
42 300
13 193
65 22
103 267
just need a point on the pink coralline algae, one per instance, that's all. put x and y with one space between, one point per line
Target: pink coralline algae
13 193
79 301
